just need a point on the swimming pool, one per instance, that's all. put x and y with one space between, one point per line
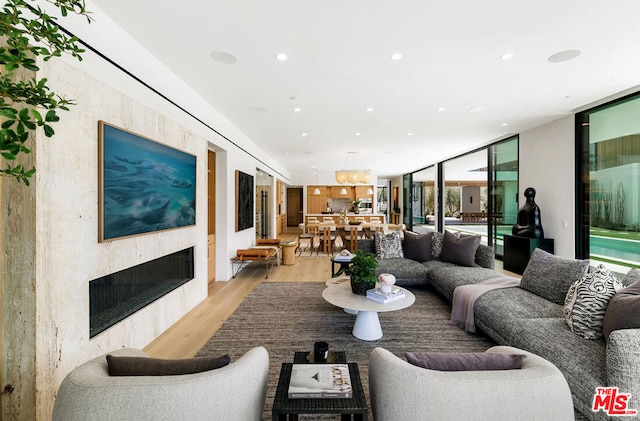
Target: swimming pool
615 248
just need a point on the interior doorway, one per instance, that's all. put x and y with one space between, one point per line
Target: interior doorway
211 215
294 206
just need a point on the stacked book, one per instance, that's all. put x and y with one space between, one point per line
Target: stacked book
376 294
343 258
320 381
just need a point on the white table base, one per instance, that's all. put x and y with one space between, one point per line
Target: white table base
367 326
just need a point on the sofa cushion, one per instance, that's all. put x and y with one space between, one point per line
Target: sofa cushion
586 302
623 311
460 250
388 245
417 246
583 363
551 276
407 272
445 277
465 361
144 366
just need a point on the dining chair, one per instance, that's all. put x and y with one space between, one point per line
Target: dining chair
352 234
327 219
304 236
327 238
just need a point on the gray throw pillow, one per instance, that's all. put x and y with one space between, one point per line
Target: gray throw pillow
388 245
417 246
550 276
465 361
587 300
631 277
143 366
623 311
459 250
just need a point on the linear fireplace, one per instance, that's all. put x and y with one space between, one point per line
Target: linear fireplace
114 297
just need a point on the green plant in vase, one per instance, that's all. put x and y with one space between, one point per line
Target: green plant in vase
363 272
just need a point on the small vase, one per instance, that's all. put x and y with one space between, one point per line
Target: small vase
360 288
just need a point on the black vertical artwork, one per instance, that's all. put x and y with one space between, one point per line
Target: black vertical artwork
244 201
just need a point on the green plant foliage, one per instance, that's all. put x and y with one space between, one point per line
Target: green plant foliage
364 267
26 32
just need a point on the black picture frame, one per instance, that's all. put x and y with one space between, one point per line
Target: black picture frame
244 201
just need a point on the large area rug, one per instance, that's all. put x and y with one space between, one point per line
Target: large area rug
289 317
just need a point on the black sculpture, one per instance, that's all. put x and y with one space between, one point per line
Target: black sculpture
529 223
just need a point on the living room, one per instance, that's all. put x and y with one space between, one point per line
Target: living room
50 230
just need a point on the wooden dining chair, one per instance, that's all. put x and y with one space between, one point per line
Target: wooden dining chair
304 236
327 238
352 234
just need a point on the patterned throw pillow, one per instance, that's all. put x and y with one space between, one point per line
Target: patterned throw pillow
388 245
587 300
436 244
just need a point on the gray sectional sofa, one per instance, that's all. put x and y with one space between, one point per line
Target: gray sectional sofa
530 317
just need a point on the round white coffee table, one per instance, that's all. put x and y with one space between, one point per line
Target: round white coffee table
367 325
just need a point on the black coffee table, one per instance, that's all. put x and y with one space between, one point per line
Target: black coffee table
289 409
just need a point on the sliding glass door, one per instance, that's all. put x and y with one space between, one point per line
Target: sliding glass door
503 191
609 184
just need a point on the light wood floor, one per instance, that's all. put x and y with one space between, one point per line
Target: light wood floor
185 338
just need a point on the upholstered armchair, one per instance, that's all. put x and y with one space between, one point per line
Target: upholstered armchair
234 392
403 392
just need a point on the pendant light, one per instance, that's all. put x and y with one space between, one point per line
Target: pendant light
316 191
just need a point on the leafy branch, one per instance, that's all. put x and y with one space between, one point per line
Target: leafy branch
25 105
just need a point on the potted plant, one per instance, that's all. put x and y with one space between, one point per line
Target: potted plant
356 204
363 272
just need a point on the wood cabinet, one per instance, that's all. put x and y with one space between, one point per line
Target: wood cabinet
336 192
361 192
317 203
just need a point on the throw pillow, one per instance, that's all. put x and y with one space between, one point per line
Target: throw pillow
436 244
459 250
466 361
143 366
550 276
417 246
587 300
631 277
388 245
623 311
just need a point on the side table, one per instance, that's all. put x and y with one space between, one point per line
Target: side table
344 266
289 409
289 252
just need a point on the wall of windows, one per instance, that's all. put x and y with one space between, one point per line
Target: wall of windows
475 193
609 184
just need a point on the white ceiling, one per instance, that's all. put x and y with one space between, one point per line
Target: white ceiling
339 65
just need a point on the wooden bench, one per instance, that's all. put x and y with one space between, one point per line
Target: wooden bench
243 257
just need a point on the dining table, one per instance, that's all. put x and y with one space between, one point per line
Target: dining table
368 228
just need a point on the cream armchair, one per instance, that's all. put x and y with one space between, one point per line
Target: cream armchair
234 392
404 392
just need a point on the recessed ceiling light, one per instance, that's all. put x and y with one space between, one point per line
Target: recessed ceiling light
396 56
259 109
565 55
504 124
357 134
442 109
409 134
370 109
282 57
297 110
304 134
477 109
223 57
506 57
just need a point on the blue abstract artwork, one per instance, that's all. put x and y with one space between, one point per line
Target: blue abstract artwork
144 186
